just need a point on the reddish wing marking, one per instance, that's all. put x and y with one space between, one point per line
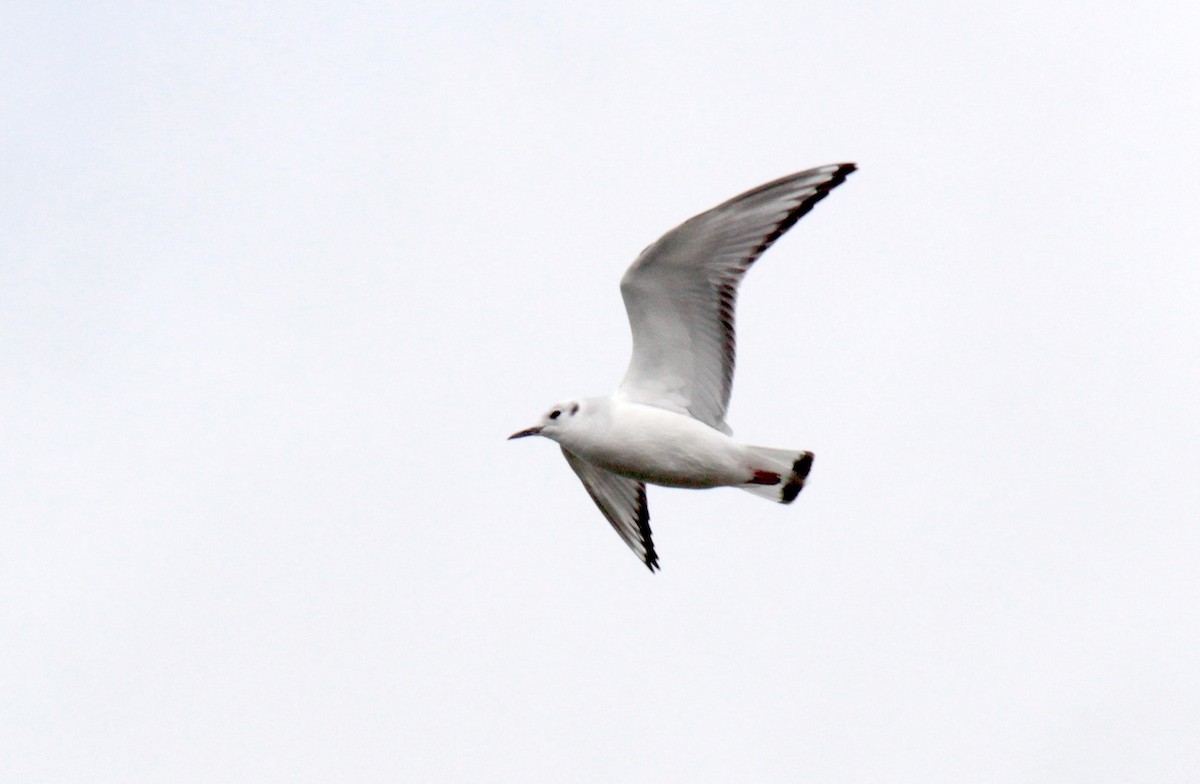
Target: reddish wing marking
765 478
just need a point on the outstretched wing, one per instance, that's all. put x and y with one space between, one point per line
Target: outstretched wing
681 291
623 502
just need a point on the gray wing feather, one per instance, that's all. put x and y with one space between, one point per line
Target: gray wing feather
623 503
681 291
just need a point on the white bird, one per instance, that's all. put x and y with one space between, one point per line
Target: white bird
665 424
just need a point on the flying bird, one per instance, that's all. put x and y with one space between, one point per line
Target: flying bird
665 424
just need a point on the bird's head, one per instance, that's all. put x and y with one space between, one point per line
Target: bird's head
555 422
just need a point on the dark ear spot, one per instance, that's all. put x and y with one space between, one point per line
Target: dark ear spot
574 409
555 414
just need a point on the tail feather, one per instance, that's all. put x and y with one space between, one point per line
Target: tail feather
791 467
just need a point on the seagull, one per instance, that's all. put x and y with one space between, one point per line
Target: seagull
665 424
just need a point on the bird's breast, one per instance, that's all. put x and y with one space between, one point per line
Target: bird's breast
660 447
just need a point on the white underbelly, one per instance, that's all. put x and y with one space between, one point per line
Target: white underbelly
665 448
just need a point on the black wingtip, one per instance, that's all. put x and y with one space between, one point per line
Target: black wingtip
844 170
835 178
651 556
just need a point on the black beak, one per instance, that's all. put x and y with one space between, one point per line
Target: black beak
532 431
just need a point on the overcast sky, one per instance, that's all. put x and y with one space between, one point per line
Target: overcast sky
277 281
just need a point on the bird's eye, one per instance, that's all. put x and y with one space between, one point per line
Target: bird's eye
555 414
574 409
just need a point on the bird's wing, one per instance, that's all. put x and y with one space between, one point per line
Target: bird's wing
680 294
623 503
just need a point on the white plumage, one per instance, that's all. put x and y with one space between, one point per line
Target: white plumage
666 422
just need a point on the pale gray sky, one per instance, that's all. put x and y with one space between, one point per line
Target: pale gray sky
277 281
